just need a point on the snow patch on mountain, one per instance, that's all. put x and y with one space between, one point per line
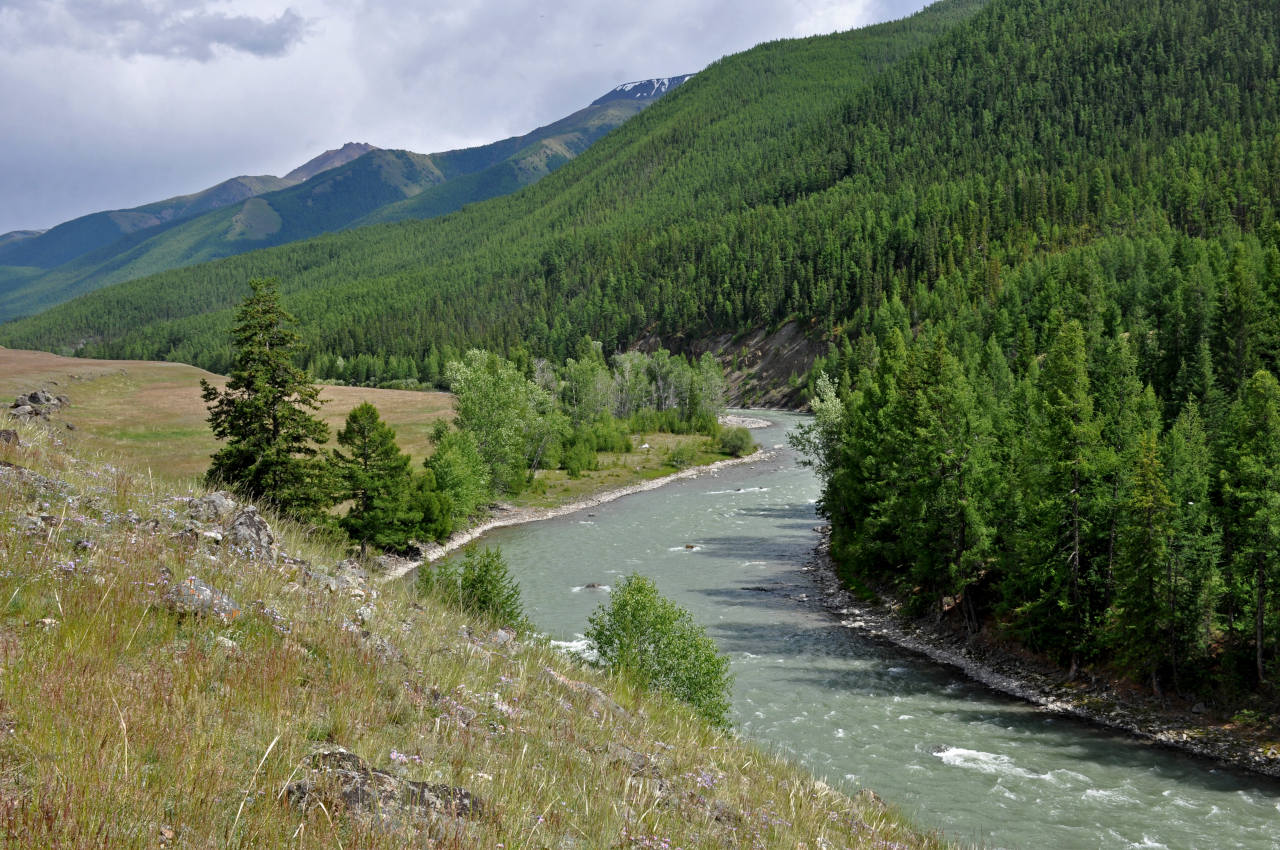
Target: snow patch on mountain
643 89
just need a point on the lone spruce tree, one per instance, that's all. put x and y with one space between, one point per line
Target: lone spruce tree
262 414
374 475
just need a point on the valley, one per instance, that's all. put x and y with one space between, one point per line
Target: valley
1020 259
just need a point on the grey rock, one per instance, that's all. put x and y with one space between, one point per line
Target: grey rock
502 637
193 596
250 533
214 507
26 411
342 781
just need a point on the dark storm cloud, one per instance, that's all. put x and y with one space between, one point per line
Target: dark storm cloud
179 29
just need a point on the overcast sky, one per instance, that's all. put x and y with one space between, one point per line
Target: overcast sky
108 104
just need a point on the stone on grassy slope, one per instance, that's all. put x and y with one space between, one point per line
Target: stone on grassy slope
341 780
213 507
250 534
193 596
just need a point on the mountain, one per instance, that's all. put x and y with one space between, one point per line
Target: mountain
354 185
326 161
80 236
641 89
15 236
814 180
604 246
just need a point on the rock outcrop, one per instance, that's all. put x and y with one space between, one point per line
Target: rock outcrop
38 404
251 535
340 780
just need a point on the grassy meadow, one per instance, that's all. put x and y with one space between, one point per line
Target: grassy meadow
149 415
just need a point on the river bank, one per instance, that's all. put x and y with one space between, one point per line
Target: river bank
506 515
1116 705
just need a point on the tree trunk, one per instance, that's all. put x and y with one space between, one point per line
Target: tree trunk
1259 615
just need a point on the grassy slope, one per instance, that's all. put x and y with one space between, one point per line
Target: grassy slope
123 724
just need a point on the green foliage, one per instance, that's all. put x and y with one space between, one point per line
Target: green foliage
262 413
681 456
459 473
645 636
736 441
375 477
481 585
511 417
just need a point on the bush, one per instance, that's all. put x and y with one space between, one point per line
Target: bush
649 638
736 442
681 456
481 585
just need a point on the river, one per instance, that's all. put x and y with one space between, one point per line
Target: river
985 769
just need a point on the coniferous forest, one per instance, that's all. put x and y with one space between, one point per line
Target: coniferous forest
1038 237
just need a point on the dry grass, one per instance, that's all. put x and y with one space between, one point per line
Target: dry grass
123 724
150 415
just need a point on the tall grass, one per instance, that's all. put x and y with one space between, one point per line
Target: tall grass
124 724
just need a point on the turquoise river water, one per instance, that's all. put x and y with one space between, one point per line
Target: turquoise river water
985 769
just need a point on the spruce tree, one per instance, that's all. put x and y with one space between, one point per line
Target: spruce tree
375 477
263 413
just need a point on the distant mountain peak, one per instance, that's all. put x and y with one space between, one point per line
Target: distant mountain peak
328 160
650 89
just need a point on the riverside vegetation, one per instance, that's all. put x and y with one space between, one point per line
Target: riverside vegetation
508 426
169 682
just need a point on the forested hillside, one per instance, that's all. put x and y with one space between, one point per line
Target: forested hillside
357 184
681 209
1040 236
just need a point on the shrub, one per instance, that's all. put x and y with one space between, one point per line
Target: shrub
481 585
736 442
681 456
649 638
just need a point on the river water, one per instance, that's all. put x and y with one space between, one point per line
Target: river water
985 769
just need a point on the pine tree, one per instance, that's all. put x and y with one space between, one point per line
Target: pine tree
1142 615
1253 495
375 477
1065 446
262 413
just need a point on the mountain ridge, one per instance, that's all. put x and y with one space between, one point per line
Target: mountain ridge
335 190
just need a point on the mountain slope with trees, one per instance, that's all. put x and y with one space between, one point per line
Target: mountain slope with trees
1046 259
605 247
355 185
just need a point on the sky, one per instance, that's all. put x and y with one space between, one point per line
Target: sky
109 104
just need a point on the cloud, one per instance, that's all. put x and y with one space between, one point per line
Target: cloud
114 103
175 29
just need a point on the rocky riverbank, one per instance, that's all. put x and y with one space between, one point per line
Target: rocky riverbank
506 515
1192 728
